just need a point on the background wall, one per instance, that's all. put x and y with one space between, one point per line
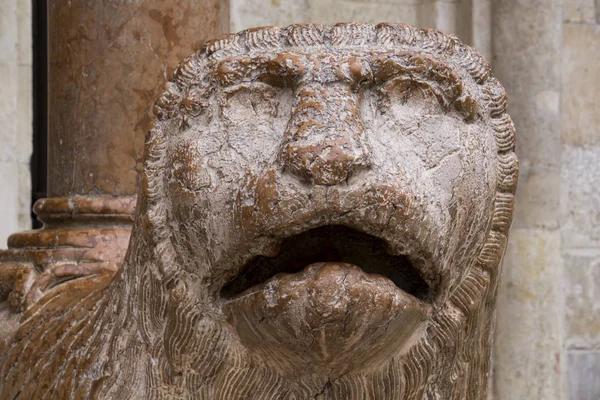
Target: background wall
15 117
547 54
469 19
580 194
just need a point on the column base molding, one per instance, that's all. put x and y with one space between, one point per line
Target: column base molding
81 236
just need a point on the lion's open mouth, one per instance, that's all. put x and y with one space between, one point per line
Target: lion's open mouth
333 243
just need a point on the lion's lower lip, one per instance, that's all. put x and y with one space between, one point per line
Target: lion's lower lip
327 277
330 244
328 315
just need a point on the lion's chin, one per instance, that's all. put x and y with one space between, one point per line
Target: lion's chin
329 318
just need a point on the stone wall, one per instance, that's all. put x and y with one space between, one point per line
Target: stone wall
469 19
547 54
529 348
580 194
15 117
548 330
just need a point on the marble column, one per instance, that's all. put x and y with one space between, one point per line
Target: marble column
106 61
529 356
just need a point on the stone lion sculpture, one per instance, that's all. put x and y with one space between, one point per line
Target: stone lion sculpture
321 215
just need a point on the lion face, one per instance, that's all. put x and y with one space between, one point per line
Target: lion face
330 202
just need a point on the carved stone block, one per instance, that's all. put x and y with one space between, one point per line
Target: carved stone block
321 215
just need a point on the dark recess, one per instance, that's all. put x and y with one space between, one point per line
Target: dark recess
330 244
39 157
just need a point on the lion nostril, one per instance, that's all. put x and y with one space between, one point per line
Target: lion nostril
324 163
324 141
332 166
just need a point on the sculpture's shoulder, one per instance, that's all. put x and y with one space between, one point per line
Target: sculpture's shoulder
56 351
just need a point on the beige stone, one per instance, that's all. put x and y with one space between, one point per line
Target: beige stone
24 34
584 370
23 194
538 198
8 30
9 182
482 27
582 272
332 11
428 13
580 196
580 11
249 13
449 16
9 92
526 49
23 134
530 305
529 353
580 88
15 116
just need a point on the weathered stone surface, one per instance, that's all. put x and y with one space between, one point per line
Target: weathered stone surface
24 110
24 34
9 168
449 16
92 95
321 214
582 272
481 14
580 196
529 70
529 349
23 198
331 11
539 196
15 116
580 77
8 38
249 13
8 110
584 370
530 305
83 236
9 179
106 61
469 20
24 144
580 11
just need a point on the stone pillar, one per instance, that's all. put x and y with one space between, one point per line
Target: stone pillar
106 61
529 356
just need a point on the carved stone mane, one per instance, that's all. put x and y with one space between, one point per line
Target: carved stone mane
220 195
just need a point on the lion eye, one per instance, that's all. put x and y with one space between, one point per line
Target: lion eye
250 101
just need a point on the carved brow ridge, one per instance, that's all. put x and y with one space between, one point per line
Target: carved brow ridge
288 69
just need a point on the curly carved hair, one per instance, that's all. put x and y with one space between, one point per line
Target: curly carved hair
458 76
188 90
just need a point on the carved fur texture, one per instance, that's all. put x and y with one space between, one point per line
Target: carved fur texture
396 133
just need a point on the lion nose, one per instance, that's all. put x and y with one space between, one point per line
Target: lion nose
324 140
